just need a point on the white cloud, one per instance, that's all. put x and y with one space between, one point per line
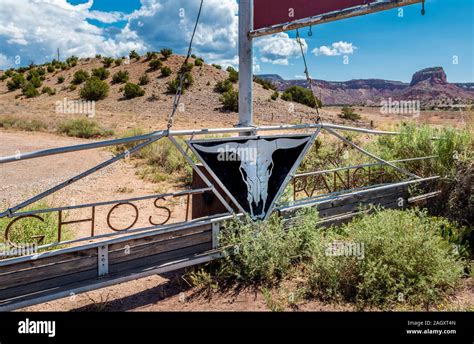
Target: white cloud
278 48
34 30
336 49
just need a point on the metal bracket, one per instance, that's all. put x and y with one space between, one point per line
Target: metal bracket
216 226
103 260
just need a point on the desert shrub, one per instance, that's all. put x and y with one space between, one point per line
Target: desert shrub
100 73
132 91
301 95
275 95
3 77
155 64
94 89
60 79
50 91
72 61
83 128
198 62
166 53
51 69
151 55
133 55
120 77
16 82
264 252
216 66
172 86
35 81
72 87
186 68
63 66
27 230
230 101
29 90
98 56
349 113
144 79
9 72
233 74
118 61
107 61
165 71
404 258
266 84
9 122
223 86
80 76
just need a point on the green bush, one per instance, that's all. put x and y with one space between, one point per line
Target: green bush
404 258
233 74
264 252
133 55
51 69
50 91
166 53
132 91
165 71
349 113
60 79
216 66
72 61
94 89
172 86
267 84
151 55
301 95
29 90
80 76
144 80
186 68
16 82
9 122
230 101
223 86
27 230
107 61
118 61
275 95
83 128
120 77
155 64
198 62
100 73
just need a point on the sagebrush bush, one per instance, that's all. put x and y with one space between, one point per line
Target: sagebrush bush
101 73
144 79
10 122
166 53
25 231
83 128
133 55
107 61
155 64
267 84
230 100
132 91
120 77
188 81
17 81
80 76
405 259
165 71
301 95
94 89
29 90
50 91
198 62
349 113
223 86
233 75
61 79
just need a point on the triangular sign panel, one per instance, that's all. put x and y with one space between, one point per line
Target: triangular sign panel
252 170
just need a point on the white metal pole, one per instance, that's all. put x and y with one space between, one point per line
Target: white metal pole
245 63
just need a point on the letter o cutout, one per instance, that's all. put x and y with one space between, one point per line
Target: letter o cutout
116 206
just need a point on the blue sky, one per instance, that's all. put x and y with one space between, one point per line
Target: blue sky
382 45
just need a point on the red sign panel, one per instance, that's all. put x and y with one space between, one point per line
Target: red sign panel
272 12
